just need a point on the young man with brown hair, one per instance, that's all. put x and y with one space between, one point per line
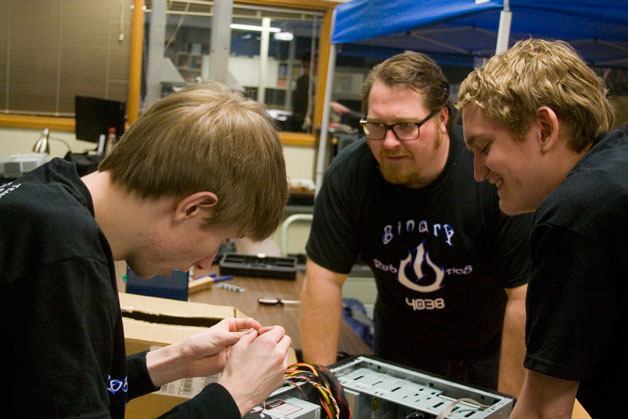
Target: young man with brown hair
182 180
539 123
450 269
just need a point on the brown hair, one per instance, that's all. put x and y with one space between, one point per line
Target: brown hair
533 73
207 138
415 70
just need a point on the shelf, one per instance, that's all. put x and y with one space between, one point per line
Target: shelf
193 70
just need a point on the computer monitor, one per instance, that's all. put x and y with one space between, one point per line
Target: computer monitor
95 116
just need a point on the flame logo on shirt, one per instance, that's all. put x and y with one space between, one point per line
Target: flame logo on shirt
416 264
117 385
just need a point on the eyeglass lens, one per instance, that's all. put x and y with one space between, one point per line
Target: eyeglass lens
402 130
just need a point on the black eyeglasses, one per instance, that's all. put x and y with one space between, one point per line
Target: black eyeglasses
404 131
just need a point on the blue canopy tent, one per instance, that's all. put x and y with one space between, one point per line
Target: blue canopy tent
476 29
598 29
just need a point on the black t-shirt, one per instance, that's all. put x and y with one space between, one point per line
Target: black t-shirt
441 255
300 97
577 302
59 308
63 344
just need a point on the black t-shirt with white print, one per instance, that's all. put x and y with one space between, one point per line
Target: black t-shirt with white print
441 255
63 349
58 300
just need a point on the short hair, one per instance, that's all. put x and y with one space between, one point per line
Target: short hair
415 70
512 86
207 138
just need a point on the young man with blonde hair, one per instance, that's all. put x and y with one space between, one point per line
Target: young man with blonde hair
450 269
182 180
539 123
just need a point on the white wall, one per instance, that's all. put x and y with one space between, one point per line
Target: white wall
21 140
299 160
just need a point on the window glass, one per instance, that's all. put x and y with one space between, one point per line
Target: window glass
285 83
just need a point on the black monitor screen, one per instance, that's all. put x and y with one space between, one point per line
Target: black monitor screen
95 116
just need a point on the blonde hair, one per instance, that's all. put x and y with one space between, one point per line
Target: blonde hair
207 138
414 70
533 73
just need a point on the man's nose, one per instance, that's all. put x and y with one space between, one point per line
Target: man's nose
480 171
390 139
206 262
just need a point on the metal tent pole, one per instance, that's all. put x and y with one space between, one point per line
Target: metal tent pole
322 143
503 33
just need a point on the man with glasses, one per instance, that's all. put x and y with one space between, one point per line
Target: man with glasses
450 268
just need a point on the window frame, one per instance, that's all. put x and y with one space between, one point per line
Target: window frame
135 71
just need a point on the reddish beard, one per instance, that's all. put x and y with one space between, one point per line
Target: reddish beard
398 172
405 171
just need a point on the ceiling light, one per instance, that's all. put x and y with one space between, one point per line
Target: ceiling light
241 27
283 36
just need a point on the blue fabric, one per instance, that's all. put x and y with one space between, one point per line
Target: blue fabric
464 28
364 19
350 307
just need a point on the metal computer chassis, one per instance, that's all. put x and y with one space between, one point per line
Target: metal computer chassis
379 390
376 389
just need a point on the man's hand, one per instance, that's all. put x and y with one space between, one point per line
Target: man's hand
206 352
339 108
202 354
256 366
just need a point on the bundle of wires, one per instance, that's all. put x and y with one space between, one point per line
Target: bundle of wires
320 386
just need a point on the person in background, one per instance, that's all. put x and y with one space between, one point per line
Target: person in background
539 123
450 268
302 97
182 180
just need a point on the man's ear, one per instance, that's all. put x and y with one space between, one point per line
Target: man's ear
443 117
548 124
195 204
